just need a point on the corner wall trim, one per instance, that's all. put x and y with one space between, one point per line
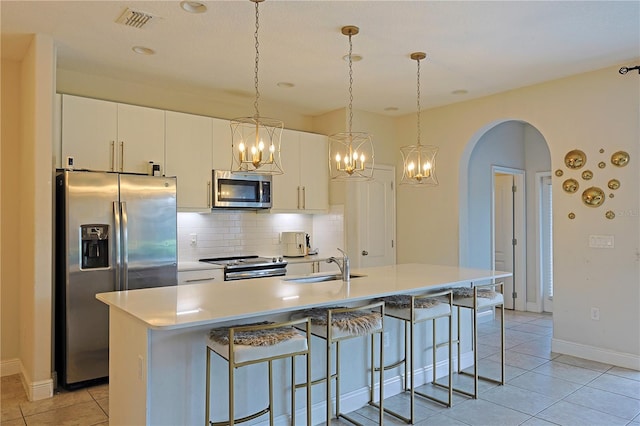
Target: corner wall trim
41 389
593 353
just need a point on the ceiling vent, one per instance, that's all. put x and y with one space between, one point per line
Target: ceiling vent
134 18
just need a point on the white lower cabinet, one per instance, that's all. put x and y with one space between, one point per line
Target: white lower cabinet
189 154
201 276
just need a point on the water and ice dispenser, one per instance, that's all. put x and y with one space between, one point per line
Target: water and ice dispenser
95 246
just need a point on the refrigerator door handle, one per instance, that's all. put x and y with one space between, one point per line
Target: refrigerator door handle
125 247
118 246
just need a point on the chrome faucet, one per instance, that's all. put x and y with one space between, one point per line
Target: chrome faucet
345 265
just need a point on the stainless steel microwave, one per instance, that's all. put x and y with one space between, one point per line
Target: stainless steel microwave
241 191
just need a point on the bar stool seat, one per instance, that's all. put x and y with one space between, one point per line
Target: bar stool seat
478 297
414 309
335 324
256 343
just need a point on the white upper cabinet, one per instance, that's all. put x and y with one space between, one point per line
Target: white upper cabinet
304 186
89 132
189 157
103 135
221 144
140 138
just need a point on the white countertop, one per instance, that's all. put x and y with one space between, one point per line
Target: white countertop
200 304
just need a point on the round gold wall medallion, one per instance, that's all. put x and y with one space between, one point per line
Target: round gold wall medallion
575 159
609 214
614 184
570 186
611 195
602 164
620 159
593 197
587 174
572 215
601 150
559 172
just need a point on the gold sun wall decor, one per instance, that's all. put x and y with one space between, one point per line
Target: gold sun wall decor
593 197
570 186
587 175
620 159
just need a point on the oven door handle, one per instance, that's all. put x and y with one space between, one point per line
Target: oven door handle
244 275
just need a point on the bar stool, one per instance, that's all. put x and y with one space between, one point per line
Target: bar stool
336 324
256 343
412 310
474 298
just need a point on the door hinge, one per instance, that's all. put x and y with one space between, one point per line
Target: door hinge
514 295
392 186
514 242
391 243
514 188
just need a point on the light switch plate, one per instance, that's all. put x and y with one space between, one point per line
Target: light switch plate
601 241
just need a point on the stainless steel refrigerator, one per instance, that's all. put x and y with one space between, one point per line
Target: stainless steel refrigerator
113 232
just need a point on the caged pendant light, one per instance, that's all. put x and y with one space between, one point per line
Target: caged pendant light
419 161
255 141
351 153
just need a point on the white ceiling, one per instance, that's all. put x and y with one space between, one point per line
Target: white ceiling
482 47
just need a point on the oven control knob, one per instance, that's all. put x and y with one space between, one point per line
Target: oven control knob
274 259
280 259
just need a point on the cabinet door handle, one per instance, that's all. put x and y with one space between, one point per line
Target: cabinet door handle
122 156
304 198
209 193
298 206
365 253
195 280
113 156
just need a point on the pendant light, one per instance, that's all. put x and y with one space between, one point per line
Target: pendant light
255 141
351 153
419 161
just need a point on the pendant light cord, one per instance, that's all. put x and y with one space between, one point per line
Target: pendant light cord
418 113
350 84
255 104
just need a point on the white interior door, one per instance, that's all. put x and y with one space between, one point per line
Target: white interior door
546 243
509 233
503 231
376 203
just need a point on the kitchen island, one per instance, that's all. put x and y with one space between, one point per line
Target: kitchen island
158 335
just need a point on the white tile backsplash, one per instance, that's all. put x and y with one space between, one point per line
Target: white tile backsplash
237 233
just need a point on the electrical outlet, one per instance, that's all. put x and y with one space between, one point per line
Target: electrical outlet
194 240
386 339
595 314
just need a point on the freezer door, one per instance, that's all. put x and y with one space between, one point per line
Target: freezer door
88 199
149 228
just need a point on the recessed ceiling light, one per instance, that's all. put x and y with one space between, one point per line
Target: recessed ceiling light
193 7
392 108
143 50
460 92
285 85
354 57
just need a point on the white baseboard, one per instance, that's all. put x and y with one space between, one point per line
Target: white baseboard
534 307
360 397
10 367
36 391
593 353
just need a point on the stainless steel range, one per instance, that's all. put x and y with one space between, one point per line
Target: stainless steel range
245 267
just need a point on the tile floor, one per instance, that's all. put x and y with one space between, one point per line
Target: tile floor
542 388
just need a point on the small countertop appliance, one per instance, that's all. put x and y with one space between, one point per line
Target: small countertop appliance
294 244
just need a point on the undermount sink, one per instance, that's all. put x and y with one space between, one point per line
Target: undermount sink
321 278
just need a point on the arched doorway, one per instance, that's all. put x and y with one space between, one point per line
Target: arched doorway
507 144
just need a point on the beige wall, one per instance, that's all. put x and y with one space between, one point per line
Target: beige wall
29 145
9 214
589 111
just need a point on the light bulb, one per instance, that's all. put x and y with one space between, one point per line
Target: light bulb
241 147
272 148
338 158
427 166
355 155
253 150
261 145
362 158
411 166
